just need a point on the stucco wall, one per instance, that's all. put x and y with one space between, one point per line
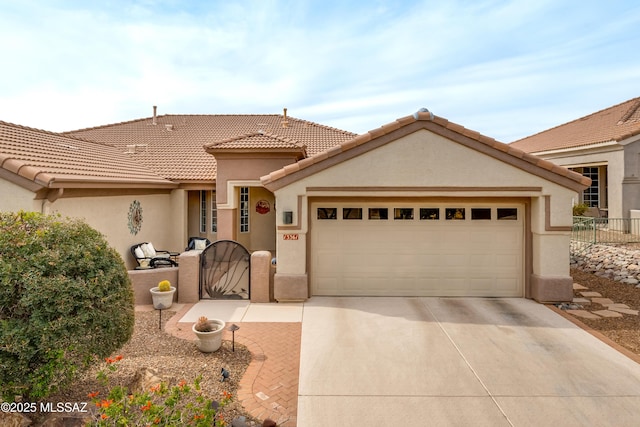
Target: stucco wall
239 167
109 215
15 198
631 182
427 165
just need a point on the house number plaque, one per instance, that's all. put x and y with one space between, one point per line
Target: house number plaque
290 237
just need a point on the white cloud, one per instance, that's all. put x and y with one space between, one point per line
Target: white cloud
502 68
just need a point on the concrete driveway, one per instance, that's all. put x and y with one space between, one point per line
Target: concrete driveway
457 361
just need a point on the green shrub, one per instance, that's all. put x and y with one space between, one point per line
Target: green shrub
580 209
65 300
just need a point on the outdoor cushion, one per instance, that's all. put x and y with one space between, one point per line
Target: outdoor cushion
148 250
139 253
200 244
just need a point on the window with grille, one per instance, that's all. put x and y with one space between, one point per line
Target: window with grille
214 213
591 196
244 209
203 211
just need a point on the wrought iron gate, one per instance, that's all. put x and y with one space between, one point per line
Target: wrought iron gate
225 271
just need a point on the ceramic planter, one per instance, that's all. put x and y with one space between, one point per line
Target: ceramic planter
210 341
162 300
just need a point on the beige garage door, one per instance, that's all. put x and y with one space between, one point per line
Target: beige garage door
417 249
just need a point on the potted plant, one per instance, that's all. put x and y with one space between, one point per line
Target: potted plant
162 295
209 334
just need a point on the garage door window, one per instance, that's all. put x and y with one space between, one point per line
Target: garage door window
507 214
454 213
480 213
403 213
351 213
378 213
429 213
327 213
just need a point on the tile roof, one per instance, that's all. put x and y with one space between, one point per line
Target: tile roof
615 124
174 146
54 160
256 141
426 120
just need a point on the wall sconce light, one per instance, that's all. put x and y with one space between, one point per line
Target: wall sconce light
287 217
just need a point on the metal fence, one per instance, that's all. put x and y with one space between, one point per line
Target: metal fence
605 230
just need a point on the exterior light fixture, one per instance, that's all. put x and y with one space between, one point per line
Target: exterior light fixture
233 328
287 217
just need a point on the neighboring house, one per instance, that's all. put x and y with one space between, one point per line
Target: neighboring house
603 146
420 206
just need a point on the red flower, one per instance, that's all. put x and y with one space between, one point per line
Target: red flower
146 407
104 403
94 394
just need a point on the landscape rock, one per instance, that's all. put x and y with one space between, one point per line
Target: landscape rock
13 419
143 380
613 262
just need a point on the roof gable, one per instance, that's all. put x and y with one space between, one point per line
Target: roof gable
613 124
257 141
440 126
52 160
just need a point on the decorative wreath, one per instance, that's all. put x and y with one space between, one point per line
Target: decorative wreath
263 207
135 217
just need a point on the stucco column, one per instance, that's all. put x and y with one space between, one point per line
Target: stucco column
550 280
227 224
260 275
630 195
189 277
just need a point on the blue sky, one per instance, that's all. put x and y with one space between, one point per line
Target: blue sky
507 69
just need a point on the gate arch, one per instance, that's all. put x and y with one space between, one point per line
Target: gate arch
225 270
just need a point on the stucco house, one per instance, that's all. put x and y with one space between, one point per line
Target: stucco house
420 206
603 146
151 179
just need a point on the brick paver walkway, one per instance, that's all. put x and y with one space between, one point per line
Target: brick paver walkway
269 387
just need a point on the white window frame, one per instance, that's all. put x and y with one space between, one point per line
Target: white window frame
214 212
203 211
244 209
591 195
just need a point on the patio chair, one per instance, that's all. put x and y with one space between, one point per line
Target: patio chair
148 257
197 243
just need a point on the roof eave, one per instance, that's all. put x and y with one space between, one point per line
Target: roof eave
108 183
437 125
576 148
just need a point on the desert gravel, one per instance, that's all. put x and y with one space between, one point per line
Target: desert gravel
174 360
